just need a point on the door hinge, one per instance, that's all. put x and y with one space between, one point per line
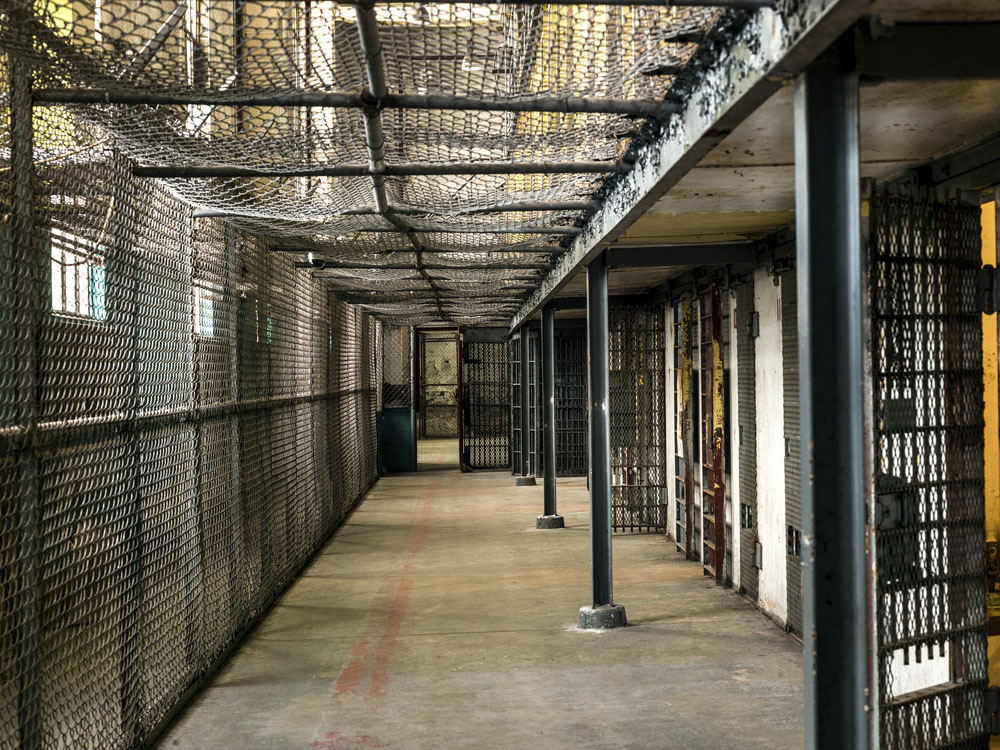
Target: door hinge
753 324
986 290
993 708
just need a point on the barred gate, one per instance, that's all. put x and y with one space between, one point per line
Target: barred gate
571 401
516 456
636 409
746 384
486 411
929 510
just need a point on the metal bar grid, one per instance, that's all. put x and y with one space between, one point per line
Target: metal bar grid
746 384
636 407
929 505
571 401
487 413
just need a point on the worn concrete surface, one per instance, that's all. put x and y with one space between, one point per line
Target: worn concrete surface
440 617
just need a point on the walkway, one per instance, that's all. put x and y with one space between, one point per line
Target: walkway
438 617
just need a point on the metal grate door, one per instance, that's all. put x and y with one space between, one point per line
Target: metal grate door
638 474
515 402
929 507
713 485
571 401
486 385
746 385
793 449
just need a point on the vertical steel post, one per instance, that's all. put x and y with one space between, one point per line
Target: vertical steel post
527 477
828 236
549 518
27 270
604 613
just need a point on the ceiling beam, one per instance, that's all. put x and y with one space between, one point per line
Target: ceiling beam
739 72
525 206
682 255
928 51
366 99
390 170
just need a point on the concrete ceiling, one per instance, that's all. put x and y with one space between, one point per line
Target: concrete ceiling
744 188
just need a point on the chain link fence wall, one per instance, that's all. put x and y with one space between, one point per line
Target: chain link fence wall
929 515
184 419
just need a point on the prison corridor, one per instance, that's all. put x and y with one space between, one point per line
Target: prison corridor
439 616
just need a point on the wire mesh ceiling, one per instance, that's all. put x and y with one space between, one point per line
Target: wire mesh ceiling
415 140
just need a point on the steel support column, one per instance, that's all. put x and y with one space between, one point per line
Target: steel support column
604 613
549 518
831 374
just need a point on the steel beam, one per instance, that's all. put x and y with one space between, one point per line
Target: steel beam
755 57
598 362
390 170
212 213
549 402
747 4
731 253
369 99
464 251
831 374
900 52
27 302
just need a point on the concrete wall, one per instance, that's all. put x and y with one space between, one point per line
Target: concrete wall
772 592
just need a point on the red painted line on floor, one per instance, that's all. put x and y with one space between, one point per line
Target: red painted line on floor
400 602
385 618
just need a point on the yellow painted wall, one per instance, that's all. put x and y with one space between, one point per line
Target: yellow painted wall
992 453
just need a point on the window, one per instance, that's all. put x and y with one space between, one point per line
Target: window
204 310
78 277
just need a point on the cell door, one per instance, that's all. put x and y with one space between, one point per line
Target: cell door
713 484
571 401
485 394
928 512
636 411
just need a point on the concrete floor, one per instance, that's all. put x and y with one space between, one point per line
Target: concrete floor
439 617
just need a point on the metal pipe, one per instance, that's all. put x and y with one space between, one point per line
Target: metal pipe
212 213
367 99
149 50
525 404
391 170
549 398
831 373
28 301
600 430
519 251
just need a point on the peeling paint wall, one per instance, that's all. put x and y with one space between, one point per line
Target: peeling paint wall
734 442
772 591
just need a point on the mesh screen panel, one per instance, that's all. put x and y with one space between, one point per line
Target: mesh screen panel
184 418
486 410
275 86
636 412
929 515
571 401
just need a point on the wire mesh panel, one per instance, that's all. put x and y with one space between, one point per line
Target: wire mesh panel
746 383
929 506
284 89
571 401
438 384
636 412
184 418
396 367
486 437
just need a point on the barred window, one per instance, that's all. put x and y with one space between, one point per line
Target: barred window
78 276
